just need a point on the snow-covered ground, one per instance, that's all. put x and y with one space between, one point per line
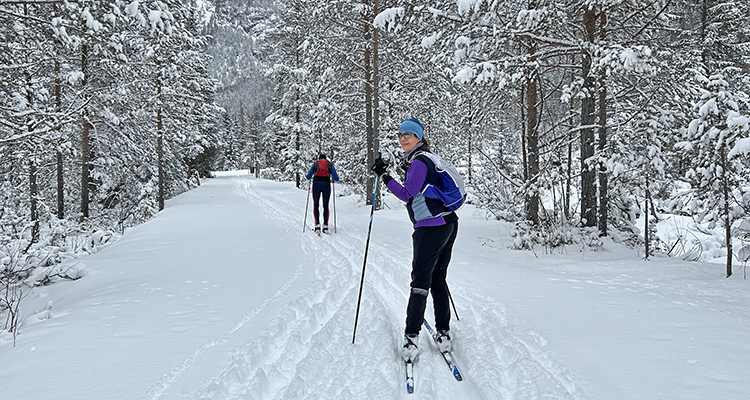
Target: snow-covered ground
222 296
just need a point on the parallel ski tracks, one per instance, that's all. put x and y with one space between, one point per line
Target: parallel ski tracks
314 327
306 352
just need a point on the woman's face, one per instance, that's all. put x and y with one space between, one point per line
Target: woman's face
407 140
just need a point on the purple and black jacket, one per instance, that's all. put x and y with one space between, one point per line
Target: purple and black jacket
423 211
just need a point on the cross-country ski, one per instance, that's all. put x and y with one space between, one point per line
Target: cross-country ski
409 376
446 355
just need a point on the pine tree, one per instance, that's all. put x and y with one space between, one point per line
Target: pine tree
713 140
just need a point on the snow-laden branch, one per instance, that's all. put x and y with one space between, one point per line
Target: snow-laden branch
387 19
742 147
548 40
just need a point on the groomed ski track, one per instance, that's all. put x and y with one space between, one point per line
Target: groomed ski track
306 352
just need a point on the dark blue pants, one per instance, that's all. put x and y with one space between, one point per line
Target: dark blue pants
321 188
433 247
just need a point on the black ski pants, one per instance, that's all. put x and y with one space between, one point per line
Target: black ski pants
433 247
321 188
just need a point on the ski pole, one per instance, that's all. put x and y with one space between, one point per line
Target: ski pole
333 187
452 303
307 203
367 247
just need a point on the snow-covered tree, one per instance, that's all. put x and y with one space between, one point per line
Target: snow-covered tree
77 121
716 140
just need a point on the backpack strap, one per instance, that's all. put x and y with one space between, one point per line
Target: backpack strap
431 167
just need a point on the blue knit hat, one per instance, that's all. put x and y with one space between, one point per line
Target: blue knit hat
414 126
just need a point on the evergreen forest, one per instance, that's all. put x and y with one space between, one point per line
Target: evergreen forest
572 119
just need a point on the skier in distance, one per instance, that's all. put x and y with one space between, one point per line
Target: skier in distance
321 173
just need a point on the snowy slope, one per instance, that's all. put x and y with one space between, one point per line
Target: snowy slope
222 296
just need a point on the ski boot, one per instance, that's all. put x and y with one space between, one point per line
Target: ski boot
443 340
410 351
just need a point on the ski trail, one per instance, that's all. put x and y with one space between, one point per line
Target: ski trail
306 352
285 362
506 363
160 387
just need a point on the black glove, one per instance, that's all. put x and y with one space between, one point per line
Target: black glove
379 166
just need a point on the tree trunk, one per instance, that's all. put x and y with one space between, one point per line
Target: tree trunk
257 160
568 177
569 161
33 187
602 144
588 174
60 185
297 143
59 155
524 134
368 112
375 91
297 120
159 136
85 142
33 203
727 218
470 131
646 231
532 144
